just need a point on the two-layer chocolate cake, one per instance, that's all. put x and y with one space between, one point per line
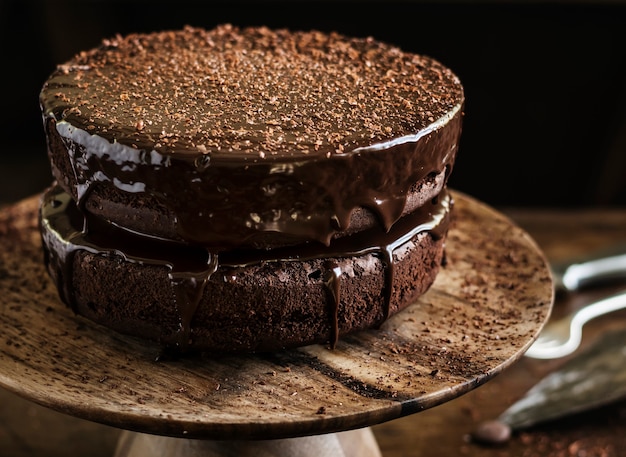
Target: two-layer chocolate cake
250 189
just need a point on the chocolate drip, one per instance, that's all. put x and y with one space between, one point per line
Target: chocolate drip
191 267
188 289
387 255
333 283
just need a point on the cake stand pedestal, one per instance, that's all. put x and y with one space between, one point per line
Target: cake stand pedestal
486 307
352 443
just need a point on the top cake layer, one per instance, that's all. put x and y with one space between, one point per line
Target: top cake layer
244 131
253 92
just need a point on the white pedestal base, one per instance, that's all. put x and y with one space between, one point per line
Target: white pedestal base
353 443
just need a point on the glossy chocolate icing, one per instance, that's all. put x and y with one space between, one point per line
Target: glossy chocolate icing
234 136
191 267
242 132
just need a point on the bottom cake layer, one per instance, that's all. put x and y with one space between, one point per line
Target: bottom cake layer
186 298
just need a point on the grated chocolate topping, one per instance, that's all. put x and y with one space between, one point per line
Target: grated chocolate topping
255 91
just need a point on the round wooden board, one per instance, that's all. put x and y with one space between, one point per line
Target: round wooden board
486 307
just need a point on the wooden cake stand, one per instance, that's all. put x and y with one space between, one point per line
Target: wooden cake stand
486 307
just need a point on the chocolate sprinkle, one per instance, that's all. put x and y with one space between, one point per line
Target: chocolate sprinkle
254 91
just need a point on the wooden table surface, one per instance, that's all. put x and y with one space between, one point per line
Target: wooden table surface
27 429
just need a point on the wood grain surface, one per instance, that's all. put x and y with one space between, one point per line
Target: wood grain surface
564 234
484 310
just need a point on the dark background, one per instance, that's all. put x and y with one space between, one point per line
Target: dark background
545 83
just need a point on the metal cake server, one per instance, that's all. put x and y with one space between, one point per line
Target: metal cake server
562 337
598 268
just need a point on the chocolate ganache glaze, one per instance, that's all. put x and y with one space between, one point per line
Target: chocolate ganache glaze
250 137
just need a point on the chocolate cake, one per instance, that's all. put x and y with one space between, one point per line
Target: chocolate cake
247 189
